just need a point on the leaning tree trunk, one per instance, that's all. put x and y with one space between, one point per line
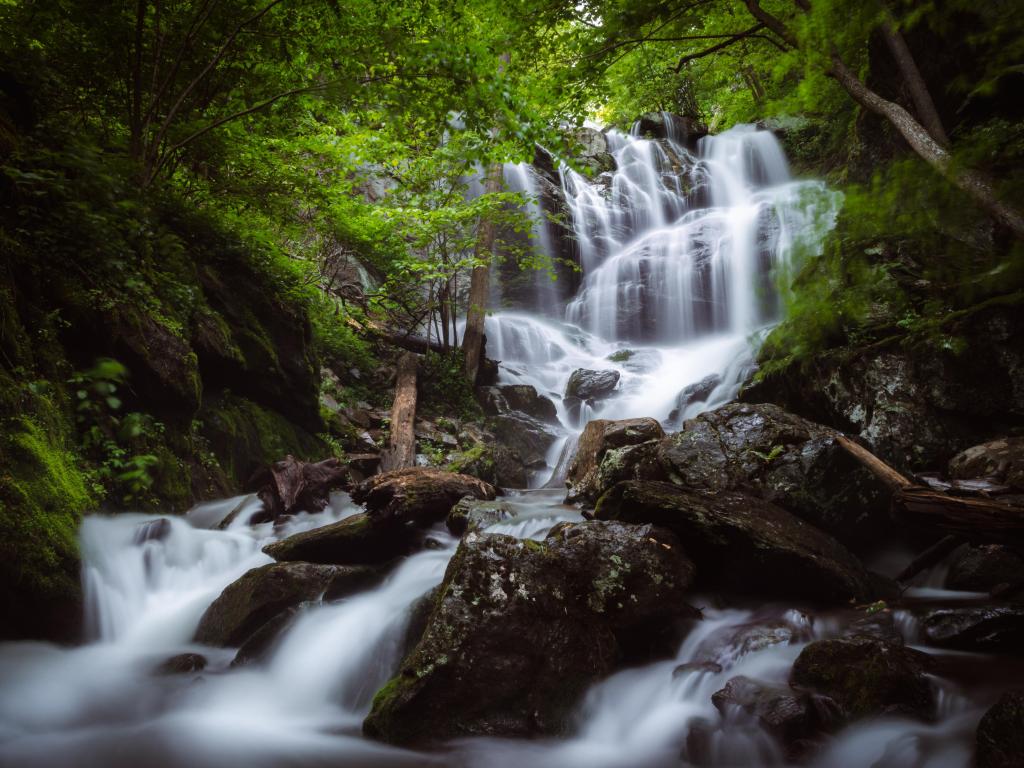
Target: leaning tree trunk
401 450
920 140
479 286
923 104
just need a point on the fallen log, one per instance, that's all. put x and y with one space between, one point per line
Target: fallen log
976 519
291 485
401 450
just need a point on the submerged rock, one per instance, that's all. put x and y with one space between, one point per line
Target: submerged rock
356 540
521 628
867 676
785 459
472 514
744 544
419 495
1000 736
182 664
989 628
262 593
599 437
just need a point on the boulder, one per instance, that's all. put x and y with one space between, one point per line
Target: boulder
521 628
730 643
698 392
182 664
867 676
987 628
419 495
682 129
262 593
598 438
526 437
472 514
1001 461
742 543
984 567
1000 735
591 385
785 459
518 397
356 540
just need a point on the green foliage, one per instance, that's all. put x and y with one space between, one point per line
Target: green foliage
443 389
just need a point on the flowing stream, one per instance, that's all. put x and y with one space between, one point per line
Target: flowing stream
677 251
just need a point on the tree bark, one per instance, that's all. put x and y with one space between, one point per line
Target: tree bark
479 285
920 140
923 104
401 450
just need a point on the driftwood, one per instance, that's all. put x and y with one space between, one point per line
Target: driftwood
931 556
291 485
401 450
976 519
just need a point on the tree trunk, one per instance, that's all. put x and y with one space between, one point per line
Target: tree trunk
479 285
923 104
401 450
973 183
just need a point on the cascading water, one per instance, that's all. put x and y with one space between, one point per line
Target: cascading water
677 251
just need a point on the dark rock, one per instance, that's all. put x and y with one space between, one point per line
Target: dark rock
420 495
698 392
682 129
598 438
521 629
1000 736
518 397
258 645
527 438
867 676
471 514
591 385
983 567
262 593
356 540
697 666
742 543
976 628
999 460
152 530
182 664
730 643
632 462
290 485
785 459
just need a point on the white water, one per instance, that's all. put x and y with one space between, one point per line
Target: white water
680 255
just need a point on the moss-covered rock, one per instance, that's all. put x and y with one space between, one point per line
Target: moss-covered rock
743 544
358 539
418 495
598 439
520 628
1000 736
471 514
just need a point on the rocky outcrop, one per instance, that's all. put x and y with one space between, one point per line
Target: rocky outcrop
417 495
263 593
1000 736
521 628
600 437
786 459
524 398
744 544
916 405
684 130
993 628
867 676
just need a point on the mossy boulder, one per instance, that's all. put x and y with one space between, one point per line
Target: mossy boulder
868 676
521 628
418 495
471 514
356 540
1000 736
744 544
784 458
598 439
263 593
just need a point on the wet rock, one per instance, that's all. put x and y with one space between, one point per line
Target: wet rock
152 530
419 495
636 360
260 643
984 567
356 540
785 459
696 666
1000 736
744 544
989 628
593 151
1001 461
729 644
471 514
522 628
526 437
698 392
182 664
633 462
664 125
598 438
518 397
867 676
290 485
590 386
262 593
